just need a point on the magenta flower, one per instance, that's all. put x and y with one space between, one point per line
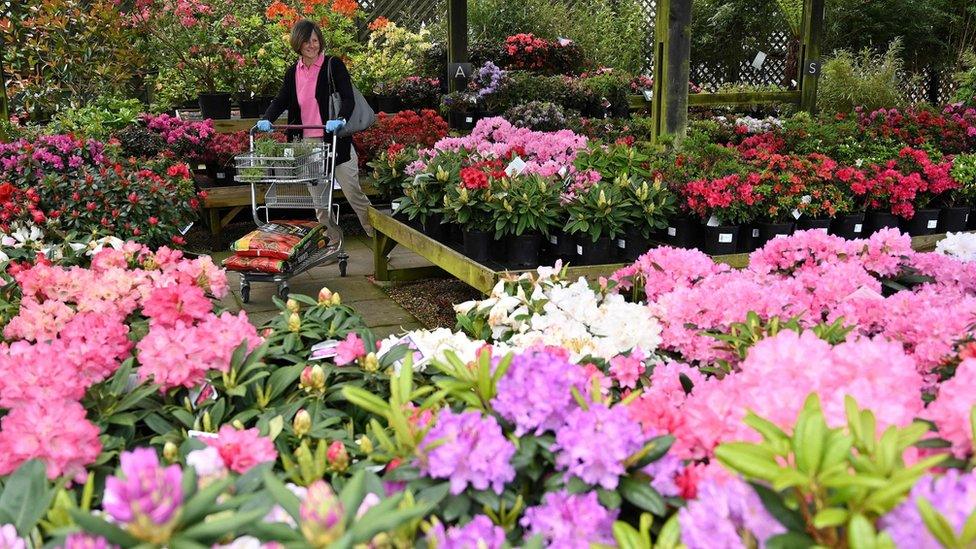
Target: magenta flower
570 521
145 496
86 541
321 515
594 443
953 495
242 449
481 532
535 393
468 448
9 538
350 350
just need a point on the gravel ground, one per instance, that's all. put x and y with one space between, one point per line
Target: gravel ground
432 300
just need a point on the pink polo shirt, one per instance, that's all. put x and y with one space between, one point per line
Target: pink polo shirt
306 78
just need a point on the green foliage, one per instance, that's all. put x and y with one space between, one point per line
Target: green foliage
964 171
653 204
942 530
60 54
391 54
599 211
26 496
611 34
494 20
98 120
966 80
829 484
866 80
424 195
470 208
525 204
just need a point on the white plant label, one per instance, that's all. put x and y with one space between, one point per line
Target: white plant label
933 223
755 233
515 167
759 60
579 250
857 228
648 95
201 434
713 221
621 243
553 240
796 214
725 238
672 231
324 349
221 175
396 205
468 119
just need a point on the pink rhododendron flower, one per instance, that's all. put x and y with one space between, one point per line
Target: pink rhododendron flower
181 302
950 411
56 432
242 449
350 350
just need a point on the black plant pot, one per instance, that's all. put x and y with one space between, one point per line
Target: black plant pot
682 232
214 105
434 228
850 226
952 220
875 221
373 101
476 245
251 108
565 246
454 233
598 252
223 176
523 250
769 231
388 104
923 222
808 223
631 245
748 238
264 103
720 240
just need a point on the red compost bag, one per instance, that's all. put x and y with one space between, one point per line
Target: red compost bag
255 264
281 240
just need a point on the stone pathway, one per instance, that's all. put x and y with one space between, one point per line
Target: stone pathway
381 314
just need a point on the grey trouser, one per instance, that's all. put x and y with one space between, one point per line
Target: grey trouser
347 176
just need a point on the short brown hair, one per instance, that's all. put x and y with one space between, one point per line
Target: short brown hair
302 33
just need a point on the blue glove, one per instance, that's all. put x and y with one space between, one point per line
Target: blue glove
333 126
264 125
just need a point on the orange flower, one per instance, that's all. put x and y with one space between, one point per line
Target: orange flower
345 7
278 9
379 23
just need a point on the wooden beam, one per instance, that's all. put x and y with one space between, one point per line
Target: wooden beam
811 33
4 107
660 54
743 98
457 38
678 70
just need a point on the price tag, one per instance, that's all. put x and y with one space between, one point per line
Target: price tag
324 349
221 175
780 235
648 95
857 228
468 119
515 167
755 233
553 240
713 221
725 238
823 230
933 223
579 250
621 243
395 205
672 231
201 434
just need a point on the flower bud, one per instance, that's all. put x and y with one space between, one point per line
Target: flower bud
325 297
312 379
321 515
171 452
371 363
237 424
365 445
292 305
337 456
294 322
302 423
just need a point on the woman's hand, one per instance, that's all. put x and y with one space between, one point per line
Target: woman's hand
264 125
333 126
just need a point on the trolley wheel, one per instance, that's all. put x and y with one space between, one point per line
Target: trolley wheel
283 291
246 293
342 267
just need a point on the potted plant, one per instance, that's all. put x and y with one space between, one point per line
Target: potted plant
415 92
651 205
469 204
853 183
776 211
956 217
265 60
423 197
922 182
723 205
597 214
392 54
388 170
525 209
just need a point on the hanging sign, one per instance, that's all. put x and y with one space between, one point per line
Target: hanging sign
459 70
812 67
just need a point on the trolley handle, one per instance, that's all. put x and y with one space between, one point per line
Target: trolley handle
254 129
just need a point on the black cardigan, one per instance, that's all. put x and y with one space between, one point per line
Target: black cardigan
287 98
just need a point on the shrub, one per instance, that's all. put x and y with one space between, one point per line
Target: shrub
537 115
611 34
392 54
966 81
866 80
98 120
409 128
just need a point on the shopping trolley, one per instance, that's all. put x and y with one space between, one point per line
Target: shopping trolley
289 170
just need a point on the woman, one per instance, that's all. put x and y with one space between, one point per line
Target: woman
306 93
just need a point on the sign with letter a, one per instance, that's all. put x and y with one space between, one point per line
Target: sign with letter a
459 70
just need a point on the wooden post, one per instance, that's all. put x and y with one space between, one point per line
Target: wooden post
457 39
4 108
672 53
811 32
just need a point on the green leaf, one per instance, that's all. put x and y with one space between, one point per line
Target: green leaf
94 525
830 517
749 459
789 540
282 495
626 536
366 400
201 502
26 496
937 524
642 495
860 533
384 517
212 530
670 534
609 498
774 503
352 494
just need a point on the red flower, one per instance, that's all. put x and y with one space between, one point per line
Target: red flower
473 178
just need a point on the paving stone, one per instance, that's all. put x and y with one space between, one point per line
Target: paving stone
382 332
383 312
